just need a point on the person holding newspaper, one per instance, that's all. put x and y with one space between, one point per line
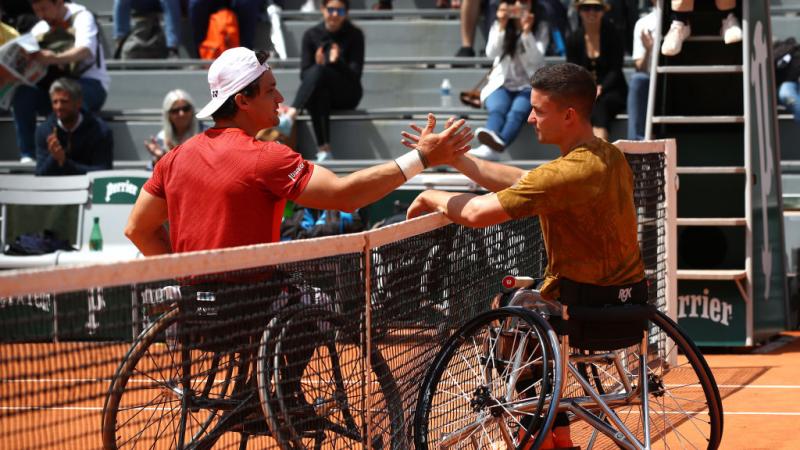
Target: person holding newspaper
84 60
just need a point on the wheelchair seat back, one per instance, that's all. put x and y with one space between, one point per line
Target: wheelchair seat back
604 317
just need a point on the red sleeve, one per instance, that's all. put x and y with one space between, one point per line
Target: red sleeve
155 185
283 171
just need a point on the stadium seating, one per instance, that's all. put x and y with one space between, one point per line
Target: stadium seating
401 82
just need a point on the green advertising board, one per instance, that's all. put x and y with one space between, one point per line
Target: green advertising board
27 318
767 290
116 190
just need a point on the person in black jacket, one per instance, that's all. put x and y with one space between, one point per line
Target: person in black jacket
71 141
596 46
330 69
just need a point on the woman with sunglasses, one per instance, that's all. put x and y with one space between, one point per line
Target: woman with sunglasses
330 71
178 124
596 46
517 41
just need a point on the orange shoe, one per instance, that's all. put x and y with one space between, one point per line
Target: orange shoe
562 439
547 443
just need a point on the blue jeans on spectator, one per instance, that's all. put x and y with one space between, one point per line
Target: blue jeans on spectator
508 110
247 13
31 100
789 96
638 87
172 17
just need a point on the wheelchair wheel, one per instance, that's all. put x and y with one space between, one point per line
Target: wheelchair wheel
491 385
148 406
315 373
684 405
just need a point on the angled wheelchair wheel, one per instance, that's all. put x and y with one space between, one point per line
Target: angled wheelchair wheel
315 373
684 408
163 396
492 384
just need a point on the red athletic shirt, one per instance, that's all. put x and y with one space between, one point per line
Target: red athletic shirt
224 189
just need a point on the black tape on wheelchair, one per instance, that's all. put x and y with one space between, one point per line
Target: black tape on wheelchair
605 317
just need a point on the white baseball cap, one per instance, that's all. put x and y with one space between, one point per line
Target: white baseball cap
231 72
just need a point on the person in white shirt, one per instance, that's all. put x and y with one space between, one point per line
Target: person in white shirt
639 83
87 53
517 41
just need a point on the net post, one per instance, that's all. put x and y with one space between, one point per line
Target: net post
671 235
366 390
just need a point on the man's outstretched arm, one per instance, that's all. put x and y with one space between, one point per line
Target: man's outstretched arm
470 210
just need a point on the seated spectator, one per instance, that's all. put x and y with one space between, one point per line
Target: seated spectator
517 42
330 70
643 33
595 45
681 28
69 141
247 14
787 75
172 20
87 53
178 124
550 11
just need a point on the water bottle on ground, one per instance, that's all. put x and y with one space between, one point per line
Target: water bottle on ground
96 237
444 91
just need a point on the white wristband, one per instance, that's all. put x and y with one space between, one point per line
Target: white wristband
410 164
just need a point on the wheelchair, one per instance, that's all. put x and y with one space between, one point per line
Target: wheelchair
197 374
500 380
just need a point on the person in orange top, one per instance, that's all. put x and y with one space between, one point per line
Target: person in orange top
584 198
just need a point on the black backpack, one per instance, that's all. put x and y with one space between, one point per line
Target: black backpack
145 41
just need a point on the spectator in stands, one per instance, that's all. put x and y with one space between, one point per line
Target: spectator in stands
330 69
517 42
86 53
787 75
681 28
178 124
7 33
224 188
550 11
71 141
172 20
595 45
247 14
643 34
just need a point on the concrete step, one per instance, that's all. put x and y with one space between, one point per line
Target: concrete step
400 37
132 90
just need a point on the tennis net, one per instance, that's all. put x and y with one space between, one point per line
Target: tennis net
316 344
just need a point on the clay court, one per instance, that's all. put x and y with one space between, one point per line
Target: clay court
761 398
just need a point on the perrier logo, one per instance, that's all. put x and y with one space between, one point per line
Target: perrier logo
117 190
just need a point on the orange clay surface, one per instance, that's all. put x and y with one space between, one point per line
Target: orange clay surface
760 390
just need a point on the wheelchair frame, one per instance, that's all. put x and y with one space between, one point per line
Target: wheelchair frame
244 401
595 408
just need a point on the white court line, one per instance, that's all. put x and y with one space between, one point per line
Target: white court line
147 380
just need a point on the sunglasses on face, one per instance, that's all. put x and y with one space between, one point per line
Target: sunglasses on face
589 8
337 11
181 109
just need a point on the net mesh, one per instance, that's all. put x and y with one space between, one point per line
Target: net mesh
320 353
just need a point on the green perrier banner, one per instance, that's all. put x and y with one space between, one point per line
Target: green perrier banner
116 190
768 291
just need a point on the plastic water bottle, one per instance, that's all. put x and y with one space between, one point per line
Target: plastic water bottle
96 237
444 91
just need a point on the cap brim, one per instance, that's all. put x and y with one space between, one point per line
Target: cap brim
210 108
